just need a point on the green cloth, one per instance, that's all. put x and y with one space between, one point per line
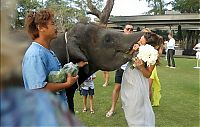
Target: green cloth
156 88
61 75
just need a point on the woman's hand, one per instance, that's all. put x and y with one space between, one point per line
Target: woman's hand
145 71
82 63
71 80
139 63
134 48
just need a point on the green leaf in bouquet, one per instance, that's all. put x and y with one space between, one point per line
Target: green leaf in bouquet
130 64
71 68
57 76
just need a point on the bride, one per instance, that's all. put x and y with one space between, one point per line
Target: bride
135 87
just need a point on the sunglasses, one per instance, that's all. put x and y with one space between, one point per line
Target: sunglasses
129 29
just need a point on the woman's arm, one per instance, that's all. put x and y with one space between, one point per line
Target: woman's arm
145 71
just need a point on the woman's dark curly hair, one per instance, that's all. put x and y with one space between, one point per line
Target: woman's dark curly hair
35 19
153 39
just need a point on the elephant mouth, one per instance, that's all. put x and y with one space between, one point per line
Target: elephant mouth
124 53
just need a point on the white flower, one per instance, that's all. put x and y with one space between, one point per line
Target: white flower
148 54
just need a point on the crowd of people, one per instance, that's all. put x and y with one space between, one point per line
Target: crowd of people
139 87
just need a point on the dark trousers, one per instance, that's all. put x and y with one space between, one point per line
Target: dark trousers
170 57
70 97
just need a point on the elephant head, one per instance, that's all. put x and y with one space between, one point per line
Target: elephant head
103 48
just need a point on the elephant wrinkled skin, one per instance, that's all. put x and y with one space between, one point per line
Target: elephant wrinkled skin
104 49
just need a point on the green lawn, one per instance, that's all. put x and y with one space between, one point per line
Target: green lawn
179 103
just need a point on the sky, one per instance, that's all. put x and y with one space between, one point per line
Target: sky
127 8
131 7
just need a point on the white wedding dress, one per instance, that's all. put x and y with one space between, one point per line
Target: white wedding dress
135 99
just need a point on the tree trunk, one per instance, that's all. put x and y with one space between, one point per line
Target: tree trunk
155 8
105 14
161 7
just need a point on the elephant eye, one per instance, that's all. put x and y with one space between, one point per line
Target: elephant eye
108 39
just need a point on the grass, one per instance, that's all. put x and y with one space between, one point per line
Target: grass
179 105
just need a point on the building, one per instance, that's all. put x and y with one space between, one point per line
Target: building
163 24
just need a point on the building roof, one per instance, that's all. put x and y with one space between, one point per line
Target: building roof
189 21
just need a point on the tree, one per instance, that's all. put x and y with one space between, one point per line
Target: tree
7 16
186 6
22 7
158 6
102 15
69 12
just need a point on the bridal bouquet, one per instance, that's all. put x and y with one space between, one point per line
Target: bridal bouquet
60 76
147 53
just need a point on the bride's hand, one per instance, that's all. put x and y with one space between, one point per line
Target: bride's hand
139 63
134 48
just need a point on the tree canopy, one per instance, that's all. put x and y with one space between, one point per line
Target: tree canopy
67 12
183 6
186 6
157 6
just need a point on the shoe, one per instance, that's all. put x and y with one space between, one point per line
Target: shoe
84 110
167 66
104 85
109 114
173 67
92 111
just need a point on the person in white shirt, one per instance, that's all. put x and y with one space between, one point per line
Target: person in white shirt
197 48
88 88
170 51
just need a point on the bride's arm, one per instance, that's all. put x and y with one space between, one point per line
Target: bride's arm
145 71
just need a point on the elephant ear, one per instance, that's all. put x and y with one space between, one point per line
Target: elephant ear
75 53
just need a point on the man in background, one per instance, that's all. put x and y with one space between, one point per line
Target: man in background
171 51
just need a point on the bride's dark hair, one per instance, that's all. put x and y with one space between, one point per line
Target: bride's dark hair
153 39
